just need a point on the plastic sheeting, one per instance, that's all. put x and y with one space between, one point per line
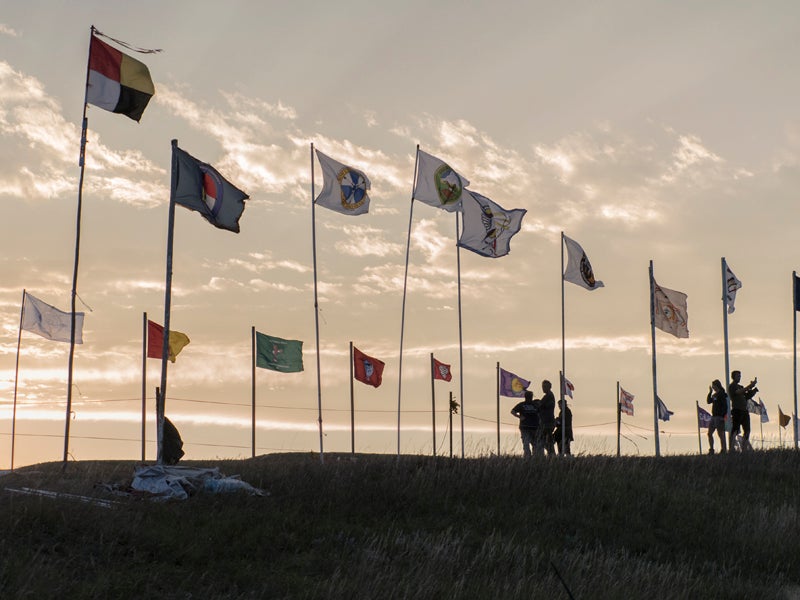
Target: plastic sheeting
178 483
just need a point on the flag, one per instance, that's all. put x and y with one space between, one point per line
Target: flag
731 285
116 81
703 418
441 371
155 341
199 186
670 311
438 184
47 321
277 354
626 402
783 420
579 269
367 369
663 412
512 385
764 415
566 387
796 292
344 189
488 227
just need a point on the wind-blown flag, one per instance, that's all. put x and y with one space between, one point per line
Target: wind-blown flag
663 412
764 415
367 369
626 402
579 269
488 227
796 292
783 420
277 354
731 285
117 82
703 418
344 189
155 341
438 184
566 387
199 187
670 311
47 321
441 371
512 386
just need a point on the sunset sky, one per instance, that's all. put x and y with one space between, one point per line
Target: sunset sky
664 131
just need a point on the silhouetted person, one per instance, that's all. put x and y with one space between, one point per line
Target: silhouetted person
563 424
172 448
739 416
547 407
527 412
718 400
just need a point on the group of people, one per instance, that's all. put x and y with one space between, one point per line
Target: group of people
540 429
740 417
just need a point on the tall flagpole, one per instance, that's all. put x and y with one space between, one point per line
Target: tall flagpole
725 330
460 337
16 380
433 405
403 309
253 389
144 384
498 408
82 165
699 442
352 405
161 397
794 345
653 337
619 418
316 304
563 353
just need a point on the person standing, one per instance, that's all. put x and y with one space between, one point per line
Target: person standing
739 416
527 412
547 407
564 419
718 400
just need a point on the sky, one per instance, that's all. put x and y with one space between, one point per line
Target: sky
663 131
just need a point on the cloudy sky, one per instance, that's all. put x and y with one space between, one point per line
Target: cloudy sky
664 131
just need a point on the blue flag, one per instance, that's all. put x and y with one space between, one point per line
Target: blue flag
663 412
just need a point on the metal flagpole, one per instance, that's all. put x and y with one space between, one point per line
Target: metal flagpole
450 412
460 338
16 380
316 303
725 331
403 309
563 353
498 408
699 442
433 405
161 396
144 385
352 406
653 337
794 345
253 388
82 165
619 418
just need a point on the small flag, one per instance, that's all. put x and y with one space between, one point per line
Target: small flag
579 269
441 371
367 369
566 387
703 418
764 415
663 412
626 402
438 184
753 407
783 420
796 292
277 354
512 386
344 188
670 311
47 321
488 227
731 285
199 187
117 82
155 341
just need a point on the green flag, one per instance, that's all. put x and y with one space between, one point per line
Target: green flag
278 354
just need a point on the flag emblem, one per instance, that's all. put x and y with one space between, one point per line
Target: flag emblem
448 185
441 371
353 186
367 369
586 271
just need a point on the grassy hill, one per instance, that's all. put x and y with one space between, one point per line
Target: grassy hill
416 527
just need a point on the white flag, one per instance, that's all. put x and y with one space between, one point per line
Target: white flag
344 189
731 285
566 387
579 269
488 227
670 311
663 412
438 184
764 415
47 321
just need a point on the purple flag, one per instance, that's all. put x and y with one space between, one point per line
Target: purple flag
703 418
512 385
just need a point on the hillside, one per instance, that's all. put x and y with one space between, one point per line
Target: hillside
378 527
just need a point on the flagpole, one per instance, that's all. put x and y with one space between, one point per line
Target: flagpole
725 332
498 408
352 406
619 418
82 165
794 345
16 380
316 304
653 338
144 384
161 399
403 309
699 442
460 336
563 353
450 413
253 387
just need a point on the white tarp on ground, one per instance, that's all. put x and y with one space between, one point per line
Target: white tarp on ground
173 482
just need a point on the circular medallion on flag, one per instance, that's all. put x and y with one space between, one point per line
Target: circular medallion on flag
586 272
353 186
516 386
448 185
368 369
212 188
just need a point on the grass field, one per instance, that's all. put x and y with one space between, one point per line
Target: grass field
416 527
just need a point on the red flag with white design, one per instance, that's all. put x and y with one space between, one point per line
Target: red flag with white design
441 371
